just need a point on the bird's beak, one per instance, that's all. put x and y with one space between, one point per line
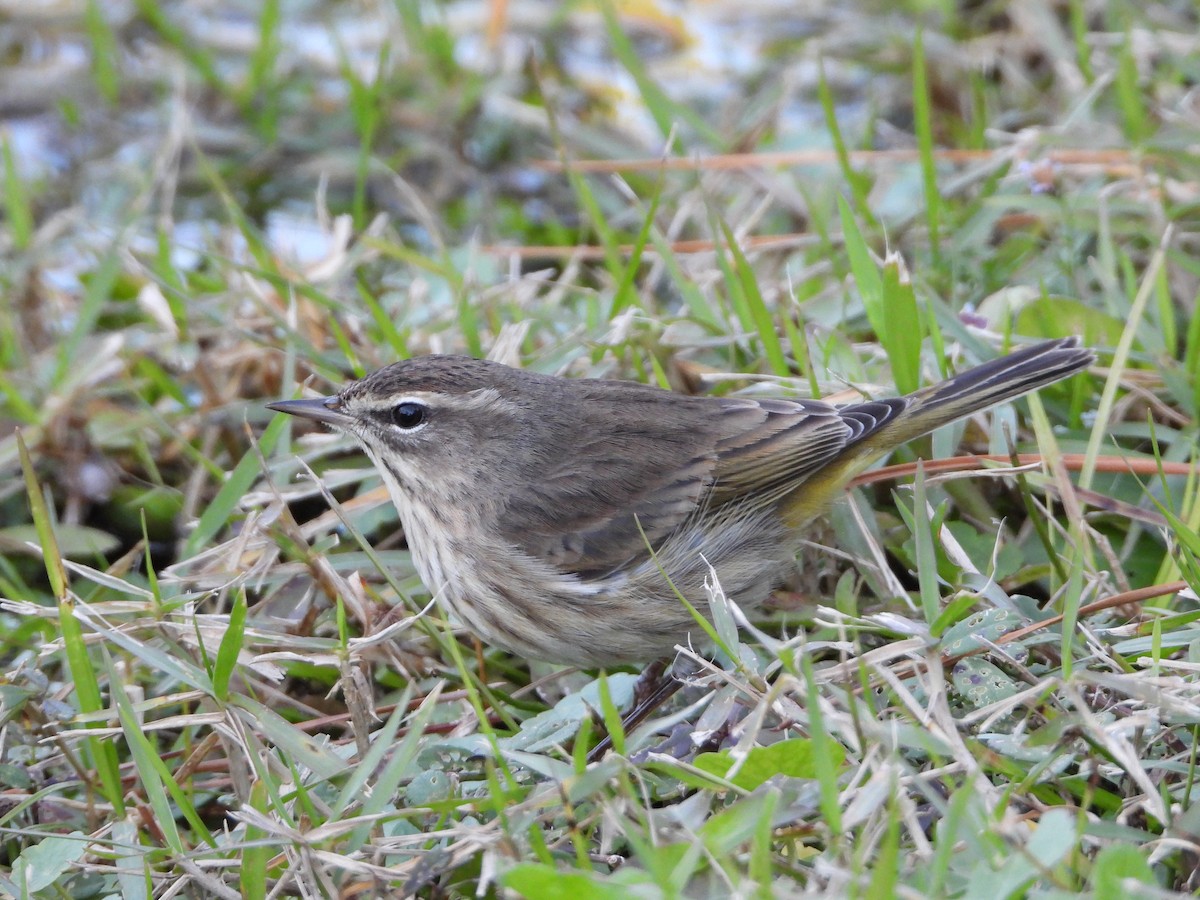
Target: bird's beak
323 409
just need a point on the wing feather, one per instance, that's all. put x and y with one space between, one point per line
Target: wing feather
643 481
623 476
794 440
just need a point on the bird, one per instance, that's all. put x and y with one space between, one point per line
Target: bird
557 518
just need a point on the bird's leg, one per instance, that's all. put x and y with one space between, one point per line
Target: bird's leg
654 687
648 682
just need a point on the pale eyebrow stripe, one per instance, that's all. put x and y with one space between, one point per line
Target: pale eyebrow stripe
434 400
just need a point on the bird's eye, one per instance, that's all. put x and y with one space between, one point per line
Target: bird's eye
409 415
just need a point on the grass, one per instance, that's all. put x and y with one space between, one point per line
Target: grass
221 674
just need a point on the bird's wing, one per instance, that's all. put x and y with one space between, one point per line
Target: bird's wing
631 480
793 441
626 479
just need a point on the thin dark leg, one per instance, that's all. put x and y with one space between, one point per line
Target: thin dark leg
655 686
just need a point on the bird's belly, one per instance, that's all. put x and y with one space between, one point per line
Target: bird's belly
528 607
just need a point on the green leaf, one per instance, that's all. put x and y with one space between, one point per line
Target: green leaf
1115 866
74 541
794 758
626 292
862 266
1054 837
1130 100
903 325
43 524
1052 316
43 863
537 881
859 182
152 774
104 53
83 675
731 828
923 526
313 753
965 636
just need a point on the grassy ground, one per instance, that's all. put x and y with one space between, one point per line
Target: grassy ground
214 685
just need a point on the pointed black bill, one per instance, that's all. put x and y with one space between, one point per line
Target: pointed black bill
323 409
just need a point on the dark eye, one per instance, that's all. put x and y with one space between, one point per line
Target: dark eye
408 415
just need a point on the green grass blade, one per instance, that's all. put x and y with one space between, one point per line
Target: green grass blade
104 53
759 315
923 123
858 182
231 645
79 664
154 776
890 304
926 553
224 505
626 294
16 199
257 853
665 111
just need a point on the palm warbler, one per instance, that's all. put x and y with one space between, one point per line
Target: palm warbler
530 501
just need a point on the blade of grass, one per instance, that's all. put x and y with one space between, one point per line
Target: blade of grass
96 294
16 199
827 779
904 326
260 91
153 773
697 304
752 299
149 776
158 18
665 111
1108 395
83 676
1083 47
366 112
385 782
256 854
308 752
626 294
223 506
926 554
1130 101
613 722
884 864
231 645
858 182
1191 358
388 332
890 304
593 213
923 123
104 54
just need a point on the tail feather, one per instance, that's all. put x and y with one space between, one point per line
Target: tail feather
979 388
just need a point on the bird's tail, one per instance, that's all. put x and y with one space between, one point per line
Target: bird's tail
885 424
979 388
